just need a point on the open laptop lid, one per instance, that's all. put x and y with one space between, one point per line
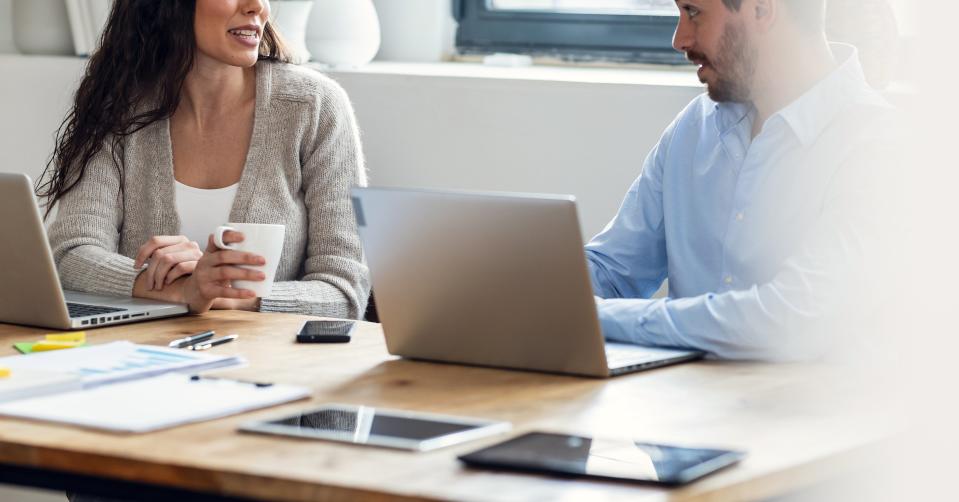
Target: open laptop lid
29 284
486 279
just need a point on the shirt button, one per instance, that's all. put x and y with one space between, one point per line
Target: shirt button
728 279
740 216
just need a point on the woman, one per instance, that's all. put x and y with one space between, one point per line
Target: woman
189 117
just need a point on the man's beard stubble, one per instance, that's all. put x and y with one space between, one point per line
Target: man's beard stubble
734 66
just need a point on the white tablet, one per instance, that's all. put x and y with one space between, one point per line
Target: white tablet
380 427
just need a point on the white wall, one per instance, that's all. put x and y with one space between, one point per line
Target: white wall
6 27
585 139
35 93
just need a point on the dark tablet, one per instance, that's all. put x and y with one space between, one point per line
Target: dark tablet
603 458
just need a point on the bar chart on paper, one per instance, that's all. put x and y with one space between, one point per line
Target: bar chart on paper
119 361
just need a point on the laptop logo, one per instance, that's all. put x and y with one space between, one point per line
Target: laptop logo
358 212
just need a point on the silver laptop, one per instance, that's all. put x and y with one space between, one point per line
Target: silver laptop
30 291
489 279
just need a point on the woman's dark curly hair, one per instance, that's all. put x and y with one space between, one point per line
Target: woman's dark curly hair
134 79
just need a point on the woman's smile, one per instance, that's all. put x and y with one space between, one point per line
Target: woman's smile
248 35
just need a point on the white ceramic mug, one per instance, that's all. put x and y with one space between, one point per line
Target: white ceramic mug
260 239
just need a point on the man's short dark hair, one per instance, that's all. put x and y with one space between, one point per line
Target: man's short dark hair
810 14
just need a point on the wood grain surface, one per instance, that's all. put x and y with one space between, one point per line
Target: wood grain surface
801 424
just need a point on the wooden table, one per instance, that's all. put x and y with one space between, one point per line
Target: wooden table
796 421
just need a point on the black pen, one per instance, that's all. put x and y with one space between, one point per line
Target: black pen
214 343
190 340
197 378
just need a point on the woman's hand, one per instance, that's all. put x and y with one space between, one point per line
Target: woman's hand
170 257
211 279
250 305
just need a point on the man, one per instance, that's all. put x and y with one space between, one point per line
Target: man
756 202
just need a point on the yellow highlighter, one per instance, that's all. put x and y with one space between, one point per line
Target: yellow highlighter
79 336
45 345
4 372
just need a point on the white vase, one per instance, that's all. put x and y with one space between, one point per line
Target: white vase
415 30
42 27
88 19
290 18
343 32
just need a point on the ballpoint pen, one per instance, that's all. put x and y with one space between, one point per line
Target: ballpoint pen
197 378
214 343
192 340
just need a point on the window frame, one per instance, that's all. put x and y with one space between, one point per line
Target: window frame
625 38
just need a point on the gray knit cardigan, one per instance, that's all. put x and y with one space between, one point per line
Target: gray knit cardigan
304 157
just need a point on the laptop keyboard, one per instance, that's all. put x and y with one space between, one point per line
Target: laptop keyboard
83 310
617 357
625 357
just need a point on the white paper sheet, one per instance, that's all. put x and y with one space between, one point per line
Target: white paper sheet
31 383
152 403
118 361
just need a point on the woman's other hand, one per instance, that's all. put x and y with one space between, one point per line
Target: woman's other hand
170 257
212 278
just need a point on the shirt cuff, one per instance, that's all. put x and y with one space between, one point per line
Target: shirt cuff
625 320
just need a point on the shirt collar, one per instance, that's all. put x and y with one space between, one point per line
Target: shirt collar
846 86
812 112
729 115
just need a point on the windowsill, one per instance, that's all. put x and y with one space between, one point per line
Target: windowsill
650 75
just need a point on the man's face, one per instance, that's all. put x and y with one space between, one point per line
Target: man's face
717 39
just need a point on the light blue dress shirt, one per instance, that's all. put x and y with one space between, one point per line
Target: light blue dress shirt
764 241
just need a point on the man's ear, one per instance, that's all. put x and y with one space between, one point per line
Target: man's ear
766 13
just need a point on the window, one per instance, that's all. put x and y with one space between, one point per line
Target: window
579 30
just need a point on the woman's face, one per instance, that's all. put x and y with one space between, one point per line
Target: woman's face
230 31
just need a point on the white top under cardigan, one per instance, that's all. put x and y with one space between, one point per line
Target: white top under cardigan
202 210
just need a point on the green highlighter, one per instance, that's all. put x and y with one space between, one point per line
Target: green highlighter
24 347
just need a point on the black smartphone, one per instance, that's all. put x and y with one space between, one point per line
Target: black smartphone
326 332
624 460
